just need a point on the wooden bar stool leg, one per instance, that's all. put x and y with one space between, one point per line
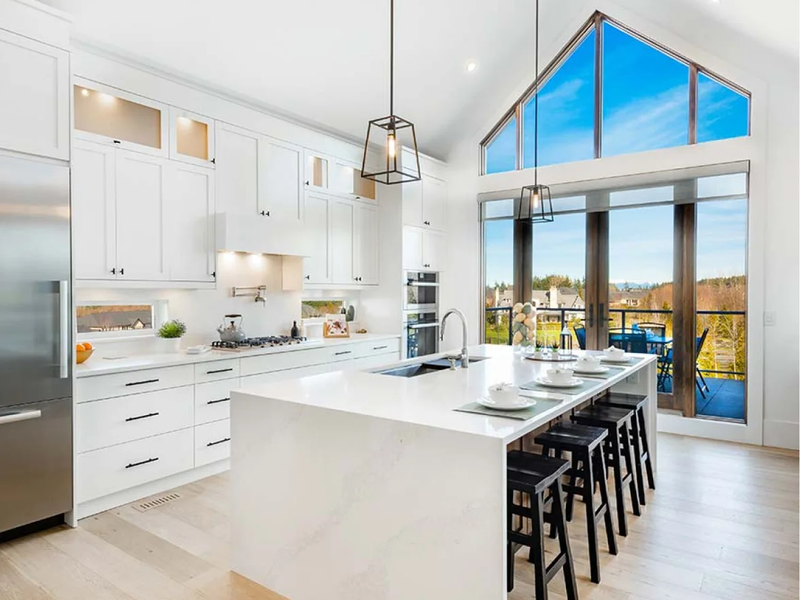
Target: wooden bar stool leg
600 477
622 522
591 521
563 542
626 448
558 454
537 546
651 480
636 442
576 463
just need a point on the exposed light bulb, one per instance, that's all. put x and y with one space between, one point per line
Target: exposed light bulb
535 198
471 67
391 144
84 92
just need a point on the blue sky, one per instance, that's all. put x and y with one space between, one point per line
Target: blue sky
645 107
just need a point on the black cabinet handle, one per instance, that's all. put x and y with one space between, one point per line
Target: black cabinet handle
139 464
218 401
122 271
308 183
209 444
308 277
214 274
343 353
114 271
219 371
141 382
380 347
213 161
117 142
147 416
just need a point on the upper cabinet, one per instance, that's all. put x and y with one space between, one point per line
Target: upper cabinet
110 116
34 97
190 223
191 138
335 176
258 175
423 249
425 203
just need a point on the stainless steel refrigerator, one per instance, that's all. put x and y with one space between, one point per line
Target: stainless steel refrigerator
35 343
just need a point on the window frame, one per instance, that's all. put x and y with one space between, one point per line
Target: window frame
160 316
595 23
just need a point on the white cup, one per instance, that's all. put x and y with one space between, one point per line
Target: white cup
503 394
590 363
560 375
614 352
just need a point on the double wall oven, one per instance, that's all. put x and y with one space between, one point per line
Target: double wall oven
421 314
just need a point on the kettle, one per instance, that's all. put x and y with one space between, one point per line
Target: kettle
233 332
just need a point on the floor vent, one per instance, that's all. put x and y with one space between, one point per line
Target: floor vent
156 501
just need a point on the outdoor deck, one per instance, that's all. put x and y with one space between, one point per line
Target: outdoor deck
724 399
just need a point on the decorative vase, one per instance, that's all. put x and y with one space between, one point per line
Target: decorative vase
523 325
168 345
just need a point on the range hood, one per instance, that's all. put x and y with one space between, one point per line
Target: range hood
261 235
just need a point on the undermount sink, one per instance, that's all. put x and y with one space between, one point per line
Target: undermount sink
425 368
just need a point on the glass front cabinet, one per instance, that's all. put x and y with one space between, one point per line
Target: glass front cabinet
191 138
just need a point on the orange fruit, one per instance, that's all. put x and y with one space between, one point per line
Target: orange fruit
87 346
80 348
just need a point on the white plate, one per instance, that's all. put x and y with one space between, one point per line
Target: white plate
623 360
598 371
548 383
521 402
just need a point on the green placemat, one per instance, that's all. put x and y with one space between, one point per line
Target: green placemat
632 362
607 375
587 385
542 405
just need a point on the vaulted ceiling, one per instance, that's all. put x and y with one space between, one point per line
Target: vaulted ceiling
326 63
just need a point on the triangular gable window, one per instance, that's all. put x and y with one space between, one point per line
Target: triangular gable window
650 99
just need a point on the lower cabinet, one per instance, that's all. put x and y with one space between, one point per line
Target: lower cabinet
212 442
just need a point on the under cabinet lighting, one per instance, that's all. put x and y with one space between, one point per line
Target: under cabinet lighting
84 92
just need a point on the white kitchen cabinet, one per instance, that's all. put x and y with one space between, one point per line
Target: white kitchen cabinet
366 245
424 250
190 223
34 97
425 203
191 138
110 116
317 266
317 171
341 243
140 208
280 181
237 169
346 181
94 232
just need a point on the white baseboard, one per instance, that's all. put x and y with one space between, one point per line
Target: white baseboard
703 428
98 505
782 434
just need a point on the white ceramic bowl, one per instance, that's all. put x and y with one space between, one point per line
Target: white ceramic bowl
507 395
614 353
589 363
560 375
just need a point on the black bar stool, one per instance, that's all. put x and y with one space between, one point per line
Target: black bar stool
586 447
641 449
536 476
618 445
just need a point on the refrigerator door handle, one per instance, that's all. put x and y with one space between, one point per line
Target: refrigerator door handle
17 417
63 328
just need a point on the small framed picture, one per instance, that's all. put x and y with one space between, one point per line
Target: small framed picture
335 327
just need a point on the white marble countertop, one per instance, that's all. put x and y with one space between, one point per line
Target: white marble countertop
429 399
98 365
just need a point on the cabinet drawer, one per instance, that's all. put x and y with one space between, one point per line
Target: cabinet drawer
367 349
212 442
373 362
212 401
134 382
118 420
113 469
253 381
254 365
214 371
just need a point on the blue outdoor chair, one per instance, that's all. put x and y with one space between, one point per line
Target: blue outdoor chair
630 340
580 333
665 366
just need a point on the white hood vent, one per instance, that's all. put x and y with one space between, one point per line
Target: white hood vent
261 235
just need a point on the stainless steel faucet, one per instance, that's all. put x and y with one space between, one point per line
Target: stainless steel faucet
464 356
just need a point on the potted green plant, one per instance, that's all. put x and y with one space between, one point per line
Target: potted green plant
170 334
554 348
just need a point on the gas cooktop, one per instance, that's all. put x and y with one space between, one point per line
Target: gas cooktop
271 341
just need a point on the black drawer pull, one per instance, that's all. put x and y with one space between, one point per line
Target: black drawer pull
215 371
155 414
209 444
380 347
343 352
141 382
218 401
139 464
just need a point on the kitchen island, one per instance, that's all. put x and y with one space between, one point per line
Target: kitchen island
359 485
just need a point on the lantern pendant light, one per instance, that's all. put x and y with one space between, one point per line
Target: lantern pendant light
389 132
535 203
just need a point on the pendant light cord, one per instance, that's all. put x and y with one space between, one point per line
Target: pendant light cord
535 105
391 59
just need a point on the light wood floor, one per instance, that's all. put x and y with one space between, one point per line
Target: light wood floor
722 524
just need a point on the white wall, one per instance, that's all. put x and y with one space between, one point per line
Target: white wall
773 389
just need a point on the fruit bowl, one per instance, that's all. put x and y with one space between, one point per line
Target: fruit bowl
81 356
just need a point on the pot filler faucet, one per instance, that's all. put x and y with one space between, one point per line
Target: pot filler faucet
464 356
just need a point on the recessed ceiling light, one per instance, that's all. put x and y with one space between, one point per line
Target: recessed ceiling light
471 66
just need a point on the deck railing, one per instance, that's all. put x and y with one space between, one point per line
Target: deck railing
724 344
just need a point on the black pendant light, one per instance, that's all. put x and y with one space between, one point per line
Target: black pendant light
535 203
390 133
